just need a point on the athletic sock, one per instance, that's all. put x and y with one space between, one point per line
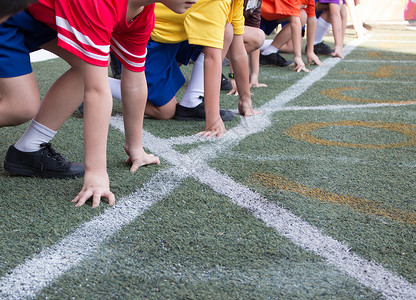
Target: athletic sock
266 44
270 50
195 90
34 136
322 28
115 87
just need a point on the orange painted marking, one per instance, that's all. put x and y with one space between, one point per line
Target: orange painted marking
355 203
336 93
301 132
384 72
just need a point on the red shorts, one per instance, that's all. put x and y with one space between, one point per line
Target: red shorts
279 9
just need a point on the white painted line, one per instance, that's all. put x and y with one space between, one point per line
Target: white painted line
346 106
390 62
31 277
373 81
394 41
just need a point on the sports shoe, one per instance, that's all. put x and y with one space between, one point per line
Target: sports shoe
198 113
45 163
321 48
225 84
275 59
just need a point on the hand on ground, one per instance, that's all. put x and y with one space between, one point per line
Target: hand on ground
246 109
300 65
96 185
217 129
138 157
314 59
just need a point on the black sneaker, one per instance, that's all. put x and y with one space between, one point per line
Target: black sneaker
322 48
225 84
45 163
275 59
197 113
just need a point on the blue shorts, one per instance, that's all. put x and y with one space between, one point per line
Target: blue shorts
163 75
20 35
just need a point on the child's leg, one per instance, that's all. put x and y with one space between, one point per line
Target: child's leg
65 95
18 105
195 90
288 47
337 29
322 26
253 38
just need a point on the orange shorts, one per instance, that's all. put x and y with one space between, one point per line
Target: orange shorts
279 9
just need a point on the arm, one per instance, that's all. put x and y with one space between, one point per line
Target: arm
310 35
239 60
214 126
97 111
296 30
255 69
134 95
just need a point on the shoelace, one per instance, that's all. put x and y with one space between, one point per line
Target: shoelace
50 152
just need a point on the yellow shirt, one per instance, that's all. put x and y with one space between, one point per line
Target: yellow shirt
202 24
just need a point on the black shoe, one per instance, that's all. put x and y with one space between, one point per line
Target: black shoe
321 48
275 59
198 113
45 163
225 84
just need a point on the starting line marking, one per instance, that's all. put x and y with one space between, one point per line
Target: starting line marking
35 274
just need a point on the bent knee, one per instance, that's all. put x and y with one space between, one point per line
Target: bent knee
20 113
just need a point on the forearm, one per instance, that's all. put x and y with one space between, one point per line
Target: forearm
254 62
97 111
239 60
212 79
296 29
134 94
310 33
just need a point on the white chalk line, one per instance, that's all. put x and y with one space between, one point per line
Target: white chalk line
394 41
390 62
315 158
35 274
26 280
372 81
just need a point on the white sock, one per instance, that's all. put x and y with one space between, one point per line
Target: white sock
266 44
34 136
270 50
322 27
196 85
115 87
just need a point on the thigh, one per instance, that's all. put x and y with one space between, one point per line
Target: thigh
70 58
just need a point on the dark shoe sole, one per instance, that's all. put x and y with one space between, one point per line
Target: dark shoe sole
16 169
226 115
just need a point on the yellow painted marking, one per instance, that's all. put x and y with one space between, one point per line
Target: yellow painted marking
376 54
301 132
336 93
384 72
357 204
